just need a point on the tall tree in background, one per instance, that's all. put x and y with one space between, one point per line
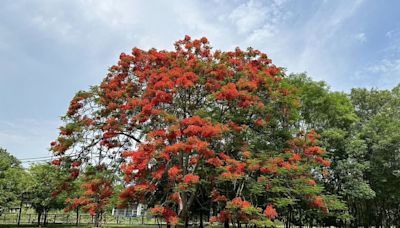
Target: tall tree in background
45 180
193 124
14 180
97 186
378 129
339 120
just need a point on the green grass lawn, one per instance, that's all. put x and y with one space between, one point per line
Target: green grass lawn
62 226
68 220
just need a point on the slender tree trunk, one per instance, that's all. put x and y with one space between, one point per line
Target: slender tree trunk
77 216
300 219
39 217
287 225
201 225
186 221
226 223
45 217
158 223
97 220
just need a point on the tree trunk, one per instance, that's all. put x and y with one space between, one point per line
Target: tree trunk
39 217
77 216
226 223
287 219
186 221
201 225
45 217
97 220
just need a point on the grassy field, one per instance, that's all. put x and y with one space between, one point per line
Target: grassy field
68 220
86 226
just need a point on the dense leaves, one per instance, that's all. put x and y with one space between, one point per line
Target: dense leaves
378 131
41 193
13 180
360 133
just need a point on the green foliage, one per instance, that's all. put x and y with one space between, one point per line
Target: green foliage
284 202
13 180
351 171
46 179
380 115
321 108
7 161
360 133
336 118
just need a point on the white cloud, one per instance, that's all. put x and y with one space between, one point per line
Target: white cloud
248 16
361 37
394 33
316 44
382 74
385 66
258 17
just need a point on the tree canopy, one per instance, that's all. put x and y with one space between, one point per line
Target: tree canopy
13 180
199 127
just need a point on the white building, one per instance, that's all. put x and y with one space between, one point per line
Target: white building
132 211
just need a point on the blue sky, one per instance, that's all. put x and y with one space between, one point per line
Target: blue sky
50 49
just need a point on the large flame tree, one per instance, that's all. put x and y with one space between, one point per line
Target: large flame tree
195 128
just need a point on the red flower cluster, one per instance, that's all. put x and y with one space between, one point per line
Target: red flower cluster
191 179
169 215
228 92
318 202
295 157
270 212
239 203
173 172
56 162
217 197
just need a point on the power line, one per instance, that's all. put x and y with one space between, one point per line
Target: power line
50 158
34 158
33 161
46 157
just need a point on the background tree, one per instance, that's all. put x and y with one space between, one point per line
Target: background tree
46 179
14 180
333 115
378 130
359 133
98 189
74 200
